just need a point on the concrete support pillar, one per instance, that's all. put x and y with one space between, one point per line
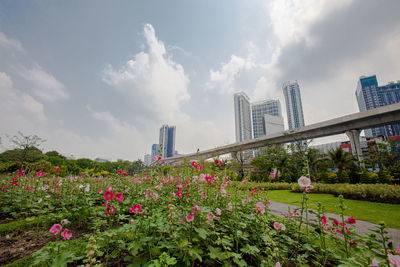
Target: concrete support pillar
354 137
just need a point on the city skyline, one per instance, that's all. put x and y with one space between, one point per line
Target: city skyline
96 87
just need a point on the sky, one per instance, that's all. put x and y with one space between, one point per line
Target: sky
98 78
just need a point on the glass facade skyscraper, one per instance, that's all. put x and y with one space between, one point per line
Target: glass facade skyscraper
167 141
370 95
242 117
294 107
258 112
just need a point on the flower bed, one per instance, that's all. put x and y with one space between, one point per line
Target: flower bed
201 220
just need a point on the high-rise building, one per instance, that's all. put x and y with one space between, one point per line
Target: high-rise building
242 117
155 151
370 95
261 125
167 141
294 107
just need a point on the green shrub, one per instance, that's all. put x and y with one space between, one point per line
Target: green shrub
384 177
329 178
367 177
343 177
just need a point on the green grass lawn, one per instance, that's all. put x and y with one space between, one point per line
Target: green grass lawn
361 210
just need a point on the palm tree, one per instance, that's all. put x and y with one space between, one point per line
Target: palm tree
341 159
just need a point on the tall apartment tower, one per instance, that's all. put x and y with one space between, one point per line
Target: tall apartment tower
242 117
369 96
167 141
266 118
294 107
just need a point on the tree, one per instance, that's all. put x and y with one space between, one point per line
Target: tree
341 159
28 147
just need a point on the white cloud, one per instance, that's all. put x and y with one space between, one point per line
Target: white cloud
19 110
44 85
155 83
223 80
291 19
9 43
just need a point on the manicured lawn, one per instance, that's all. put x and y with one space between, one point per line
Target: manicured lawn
362 210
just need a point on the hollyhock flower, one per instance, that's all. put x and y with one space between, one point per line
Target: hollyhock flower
353 243
196 209
398 250
21 172
55 229
39 173
279 226
260 207
66 234
190 217
304 182
157 158
105 204
179 194
119 197
323 220
57 169
99 191
219 212
109 188
245 181
108 195
203 195
136 209
200 167
394 260
272 175
194 164
110 210
351 220
209 179
210 216
278 264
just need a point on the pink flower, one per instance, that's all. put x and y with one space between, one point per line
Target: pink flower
394 260
278 264
196 209
200 167
374 263
190 217
260 207
110 210
279 226
108 195
39 173
219 212
99 191
209 179
157 158
351 220
21 172
57 169
304 182
210 216
109 188
136 209
55 229
179 194
66 234
119 197
323 220
398 250
272 175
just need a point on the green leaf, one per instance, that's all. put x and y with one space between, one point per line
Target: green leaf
202 232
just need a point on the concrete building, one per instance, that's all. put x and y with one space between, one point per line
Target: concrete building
370 95
260 122
167 141
294 107
242 117
147 159
273 124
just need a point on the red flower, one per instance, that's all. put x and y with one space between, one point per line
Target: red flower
351 220
57 169
108 195
194 164
110 210
209 179
136 209
323 220
55 229
119 197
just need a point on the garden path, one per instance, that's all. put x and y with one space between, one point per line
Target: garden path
362 227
